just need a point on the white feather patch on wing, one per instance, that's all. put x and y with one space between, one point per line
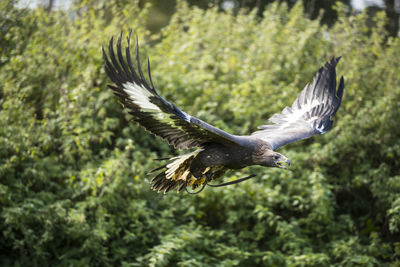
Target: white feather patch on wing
298 113
321 129
292 118
141 97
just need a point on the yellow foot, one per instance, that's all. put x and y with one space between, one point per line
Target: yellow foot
202 180
191 181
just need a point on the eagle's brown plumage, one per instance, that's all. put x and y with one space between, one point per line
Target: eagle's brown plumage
218 151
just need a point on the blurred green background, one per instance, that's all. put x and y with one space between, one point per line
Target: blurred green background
73 183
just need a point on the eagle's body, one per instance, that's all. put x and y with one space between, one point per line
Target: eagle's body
218 151
210 163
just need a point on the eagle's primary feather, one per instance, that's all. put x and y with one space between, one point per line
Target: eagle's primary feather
218 151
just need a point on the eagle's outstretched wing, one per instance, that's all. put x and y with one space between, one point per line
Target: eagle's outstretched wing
310 113
150 110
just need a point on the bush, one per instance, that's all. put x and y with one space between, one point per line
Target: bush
73 189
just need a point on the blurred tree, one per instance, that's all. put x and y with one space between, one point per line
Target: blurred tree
73 184
392 8
163 10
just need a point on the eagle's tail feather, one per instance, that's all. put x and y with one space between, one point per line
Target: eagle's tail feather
176 174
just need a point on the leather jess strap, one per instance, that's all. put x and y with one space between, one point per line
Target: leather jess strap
220 185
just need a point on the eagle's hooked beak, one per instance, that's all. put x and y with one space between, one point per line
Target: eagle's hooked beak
284 163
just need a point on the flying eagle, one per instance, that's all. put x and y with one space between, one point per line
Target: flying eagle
218 151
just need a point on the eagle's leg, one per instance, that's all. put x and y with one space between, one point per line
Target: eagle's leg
208 174
194 186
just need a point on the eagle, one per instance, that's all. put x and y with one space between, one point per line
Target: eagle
215 151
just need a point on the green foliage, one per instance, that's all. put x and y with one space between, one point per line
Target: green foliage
73 184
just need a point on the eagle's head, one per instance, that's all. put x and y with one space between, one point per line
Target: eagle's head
280 161
270 158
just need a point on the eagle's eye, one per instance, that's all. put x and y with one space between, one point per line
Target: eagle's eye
276 157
